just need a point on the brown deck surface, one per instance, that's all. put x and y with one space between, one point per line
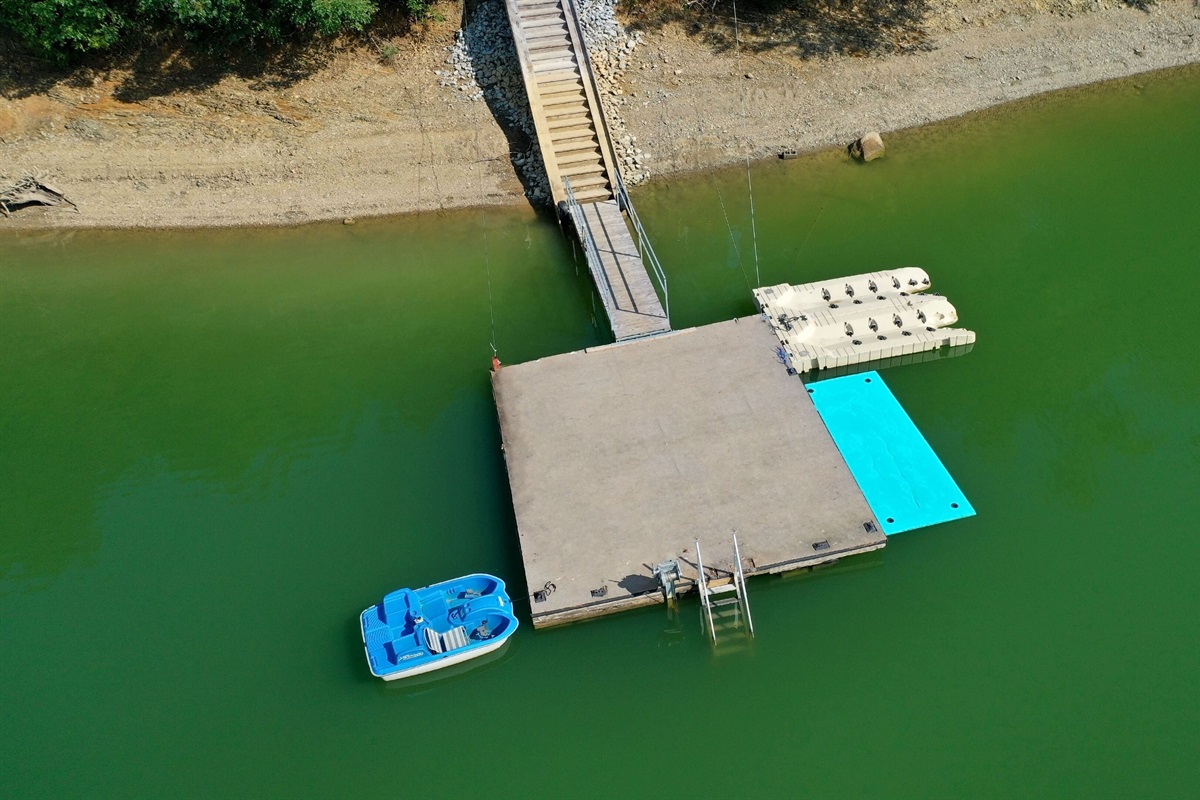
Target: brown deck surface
620 457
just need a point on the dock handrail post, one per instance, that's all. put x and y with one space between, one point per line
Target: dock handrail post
704 600
622 194
741 579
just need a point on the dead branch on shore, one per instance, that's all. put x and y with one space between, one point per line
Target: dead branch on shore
32 190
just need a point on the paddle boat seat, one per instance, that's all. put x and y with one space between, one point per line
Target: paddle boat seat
445 642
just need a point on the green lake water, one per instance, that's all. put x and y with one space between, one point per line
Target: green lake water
216 448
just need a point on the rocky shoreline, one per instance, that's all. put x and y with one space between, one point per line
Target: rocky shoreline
443 124
483 65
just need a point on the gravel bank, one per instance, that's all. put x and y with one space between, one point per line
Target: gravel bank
482 65
442 124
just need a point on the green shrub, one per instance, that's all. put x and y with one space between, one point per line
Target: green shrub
232 22
64 29
59 29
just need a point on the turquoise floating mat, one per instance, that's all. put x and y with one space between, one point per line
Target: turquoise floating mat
904 482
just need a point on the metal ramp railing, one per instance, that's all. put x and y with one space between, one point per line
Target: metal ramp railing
590 251
618 263
644 248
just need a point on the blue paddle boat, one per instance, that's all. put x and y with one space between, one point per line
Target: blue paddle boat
416 631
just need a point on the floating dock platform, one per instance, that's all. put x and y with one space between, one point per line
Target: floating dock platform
621 457
869 317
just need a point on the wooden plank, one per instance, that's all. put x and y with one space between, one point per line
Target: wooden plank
545 41
561 96
593 194
544 26
540 34
539 15
550 44
534 34
580 121
577 109
564 140
556 78
551 63
578 156
575 146
559 99
581 181
552 90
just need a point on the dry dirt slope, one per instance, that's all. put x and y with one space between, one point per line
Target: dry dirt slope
361 136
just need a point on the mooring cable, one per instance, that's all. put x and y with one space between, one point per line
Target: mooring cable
736 250
811 228
737 49
487 264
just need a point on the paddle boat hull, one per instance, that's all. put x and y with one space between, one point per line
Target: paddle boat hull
413 632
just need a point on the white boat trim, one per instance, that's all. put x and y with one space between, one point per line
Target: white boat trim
450 660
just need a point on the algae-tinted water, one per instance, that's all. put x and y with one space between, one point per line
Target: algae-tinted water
216 448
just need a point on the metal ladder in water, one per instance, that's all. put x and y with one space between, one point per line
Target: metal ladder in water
724 603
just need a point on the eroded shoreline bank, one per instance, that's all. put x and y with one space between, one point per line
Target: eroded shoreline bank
364 138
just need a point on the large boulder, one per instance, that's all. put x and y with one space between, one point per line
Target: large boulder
867 148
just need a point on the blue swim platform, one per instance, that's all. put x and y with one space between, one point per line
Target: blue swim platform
902 478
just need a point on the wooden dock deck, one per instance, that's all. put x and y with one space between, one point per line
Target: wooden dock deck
620 457
581 170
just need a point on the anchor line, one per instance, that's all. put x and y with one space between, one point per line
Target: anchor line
811 228
487 264
737 49
425 141
736 250
420 153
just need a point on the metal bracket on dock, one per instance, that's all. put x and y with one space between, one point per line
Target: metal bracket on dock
541 594
668 575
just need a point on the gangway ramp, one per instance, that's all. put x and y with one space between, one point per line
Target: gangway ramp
582 173
615 261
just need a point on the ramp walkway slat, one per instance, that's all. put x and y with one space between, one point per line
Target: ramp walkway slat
629 298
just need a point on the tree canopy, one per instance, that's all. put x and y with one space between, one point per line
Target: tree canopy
65 29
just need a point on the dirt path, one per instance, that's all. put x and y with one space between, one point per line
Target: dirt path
361 137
